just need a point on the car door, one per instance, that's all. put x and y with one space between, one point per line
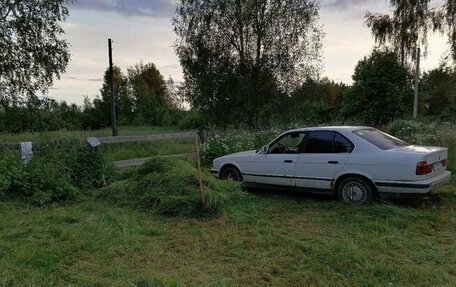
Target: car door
323 153
276 166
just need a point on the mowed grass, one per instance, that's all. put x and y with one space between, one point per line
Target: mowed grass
271 238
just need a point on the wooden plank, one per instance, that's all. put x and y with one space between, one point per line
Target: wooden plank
141 161
143 138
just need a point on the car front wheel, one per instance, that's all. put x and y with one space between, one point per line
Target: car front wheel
232 173
355 190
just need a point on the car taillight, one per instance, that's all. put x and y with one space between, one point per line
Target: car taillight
445 162
423 168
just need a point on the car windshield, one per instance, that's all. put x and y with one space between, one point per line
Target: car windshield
381 140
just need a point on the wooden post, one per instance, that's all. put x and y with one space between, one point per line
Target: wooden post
203 134
200 177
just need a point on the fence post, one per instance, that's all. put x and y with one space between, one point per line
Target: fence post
203 135
200 178
26 151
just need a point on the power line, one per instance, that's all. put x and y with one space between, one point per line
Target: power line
345 24
366 45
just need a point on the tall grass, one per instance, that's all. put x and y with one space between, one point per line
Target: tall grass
271 239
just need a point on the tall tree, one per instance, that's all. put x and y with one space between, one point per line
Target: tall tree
149 92
410 23
124 101
240 56
31 51
438 93
380 91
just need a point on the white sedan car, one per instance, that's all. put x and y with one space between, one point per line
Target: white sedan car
356 163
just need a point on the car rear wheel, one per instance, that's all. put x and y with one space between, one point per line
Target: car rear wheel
355 190
231 172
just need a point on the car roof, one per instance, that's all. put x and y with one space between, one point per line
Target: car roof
333 128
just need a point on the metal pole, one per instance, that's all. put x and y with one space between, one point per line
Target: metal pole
417 79
113 98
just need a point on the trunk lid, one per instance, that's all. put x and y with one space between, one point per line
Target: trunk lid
435 156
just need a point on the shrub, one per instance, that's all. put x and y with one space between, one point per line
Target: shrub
12 171
45 182
87 167
414 132
171 187
234 142
54 174
41 182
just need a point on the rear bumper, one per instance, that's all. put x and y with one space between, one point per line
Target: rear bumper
421 187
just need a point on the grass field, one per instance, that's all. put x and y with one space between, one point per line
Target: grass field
114 152
64 134
270 238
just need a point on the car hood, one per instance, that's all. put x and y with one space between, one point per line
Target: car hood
249 152
242 153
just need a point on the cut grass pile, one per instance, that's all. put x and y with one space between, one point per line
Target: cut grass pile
171 187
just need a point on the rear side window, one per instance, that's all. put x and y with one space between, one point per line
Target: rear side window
342 144
326 142
381 140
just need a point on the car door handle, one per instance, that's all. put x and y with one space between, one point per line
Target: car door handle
333 162
288 161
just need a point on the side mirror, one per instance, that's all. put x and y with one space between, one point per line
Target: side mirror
264 149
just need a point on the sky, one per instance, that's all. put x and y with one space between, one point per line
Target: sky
141 30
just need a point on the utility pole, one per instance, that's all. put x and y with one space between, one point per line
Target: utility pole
417 79
113 98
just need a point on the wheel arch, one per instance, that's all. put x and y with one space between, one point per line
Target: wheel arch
340 178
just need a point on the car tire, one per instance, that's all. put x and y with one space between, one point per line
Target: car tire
231 172
355 190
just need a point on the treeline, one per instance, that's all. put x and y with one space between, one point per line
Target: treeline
143 97
382 91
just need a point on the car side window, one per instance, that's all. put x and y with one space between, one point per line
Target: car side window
319 142
326 142
342 144
289 143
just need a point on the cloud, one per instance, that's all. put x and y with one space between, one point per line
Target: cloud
155 8
346 4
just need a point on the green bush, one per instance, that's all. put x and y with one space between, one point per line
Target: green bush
192 120
87 167
54 174
45 182
235 142
12 171
171 187
415 132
